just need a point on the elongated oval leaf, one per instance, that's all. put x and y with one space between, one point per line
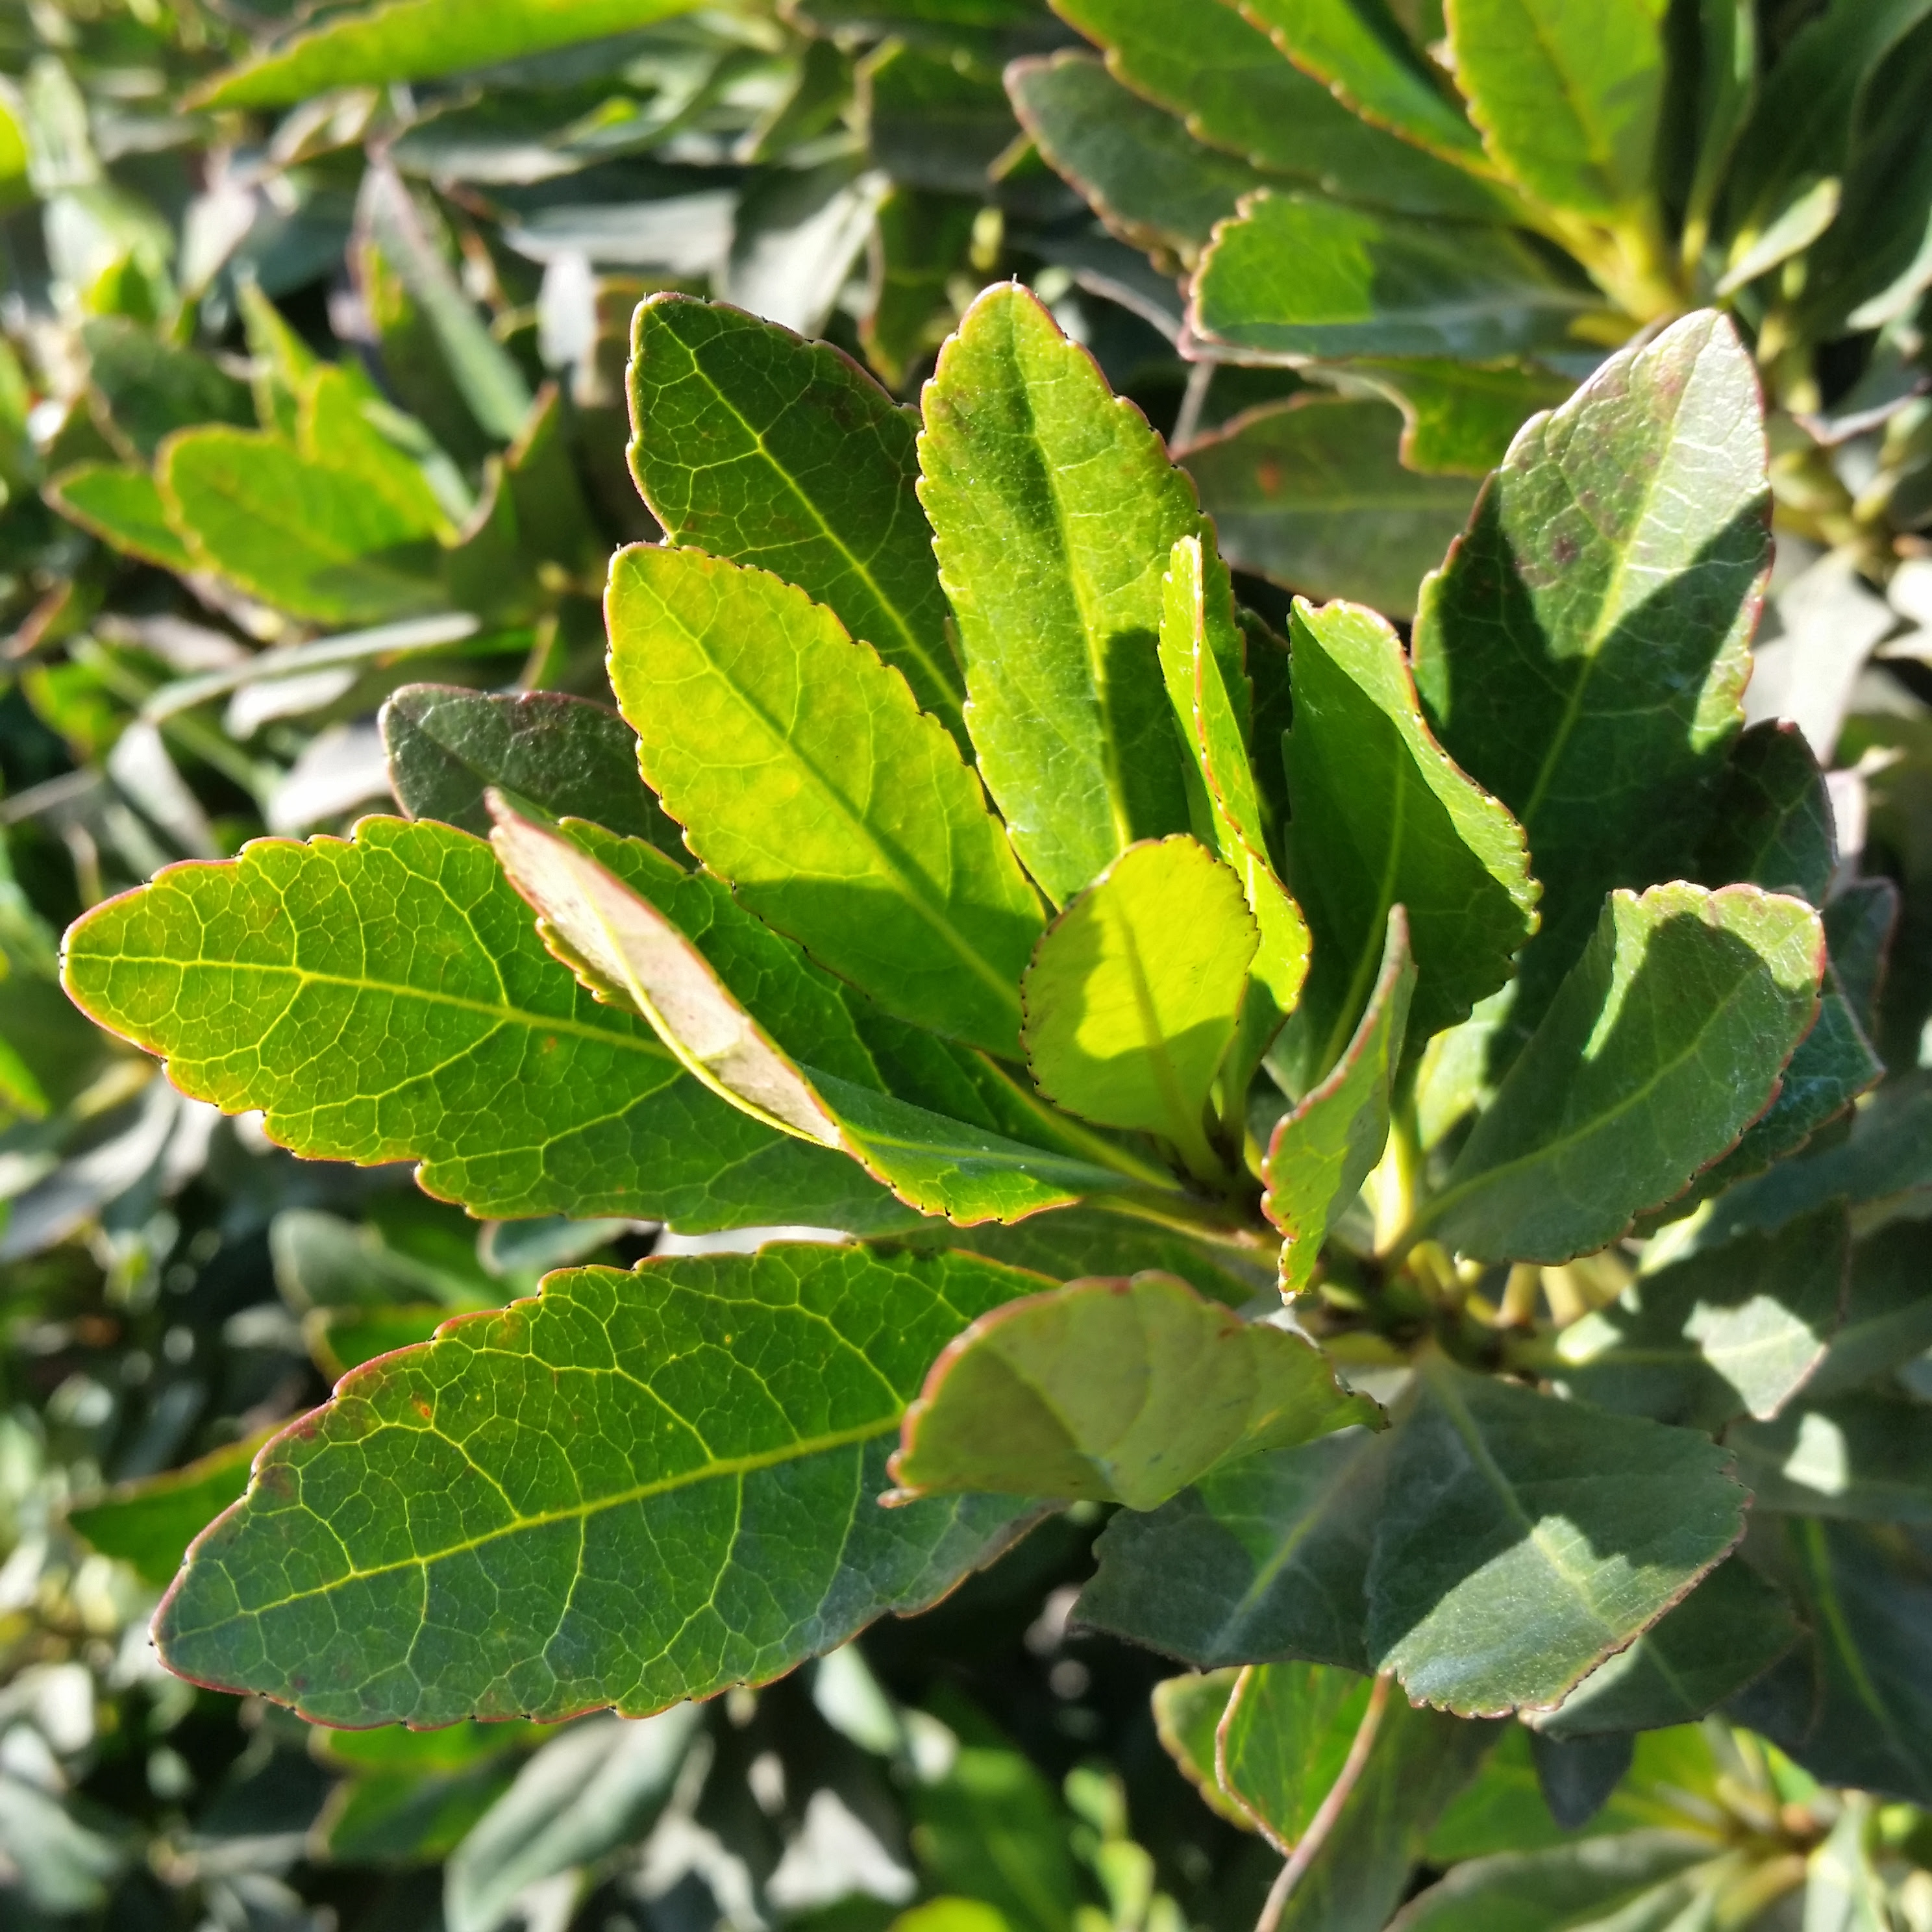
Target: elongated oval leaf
1524 1539
752 445
1121 1391
1583 650
1054 510
635 1489
804 773
387 999
1662 1045
1378 815
124 508
1134 992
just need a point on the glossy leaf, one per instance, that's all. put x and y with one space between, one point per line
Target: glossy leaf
1568 101
1664 1042
311 540
1866 1457
1299 275
1055 511
1187 1713
448 745
1114 1391
397 41
660 1484
387 999
1646 1881
1327 1146
149 1524
754 445
1264 1559
804 776
1524 1539
1378 815
1134 991
1582 651
124 508
1735 1330
1311 494
1730 1629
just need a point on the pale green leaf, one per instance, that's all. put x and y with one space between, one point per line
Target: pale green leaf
805 775
636 1489
124 508
1662 1046
1187 1713
334 428
1523 1540
1460 418
1122 1391
1329 1144
1055 511
1285 1738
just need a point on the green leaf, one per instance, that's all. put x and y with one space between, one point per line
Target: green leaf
1325 1149
1285 1741
1055 511
1187 1714
1229 82
1524 1539
1378 815
1860 921
149 1524
1727 1332
447 745
1582 651
1866 1456
1568 101
387 999
152 386
755 446
1072 1241
1260 1559
920 242
804 776
1357 50
1117 1391
635 1489
1300 276
335 428
342 1338
123 507
1459 418
1639 1881
1140 169
935 119
1664 1042
1134 991
399 41
311 540
1772 824
1888 1315
620 941
1311 494
1730 1629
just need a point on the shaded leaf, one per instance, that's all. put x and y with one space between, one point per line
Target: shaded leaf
1312 494
1285 1740
1583 650
447 745
1771 822
1460 418
1187 1713
934 118
1729 1331
149 1524
1118 1391
1378 815
1327 1146
1664 1042
1071 1241
1055 512
804 775
387 999
1888 1314
755 446
342 1338
1524 1539
1640 1882
660 1484
124 508
1866 1457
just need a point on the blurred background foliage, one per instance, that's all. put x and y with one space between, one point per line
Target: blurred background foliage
311 386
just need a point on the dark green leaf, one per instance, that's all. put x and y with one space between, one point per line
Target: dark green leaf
342 1338
1055 512
1325 1149
387 999
804 775
448 745
1866 1456
1888 1317
1378 815
753 445
1577 1775
1115 1391
1771 822
1524 1539
920 242
1265 1558
634 1489
152 386
149 1524
1301 276
1729 1331
1582 651
1312 493
1859 921
1664 1042
124 508
935 121
1642 1882
1233 1268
